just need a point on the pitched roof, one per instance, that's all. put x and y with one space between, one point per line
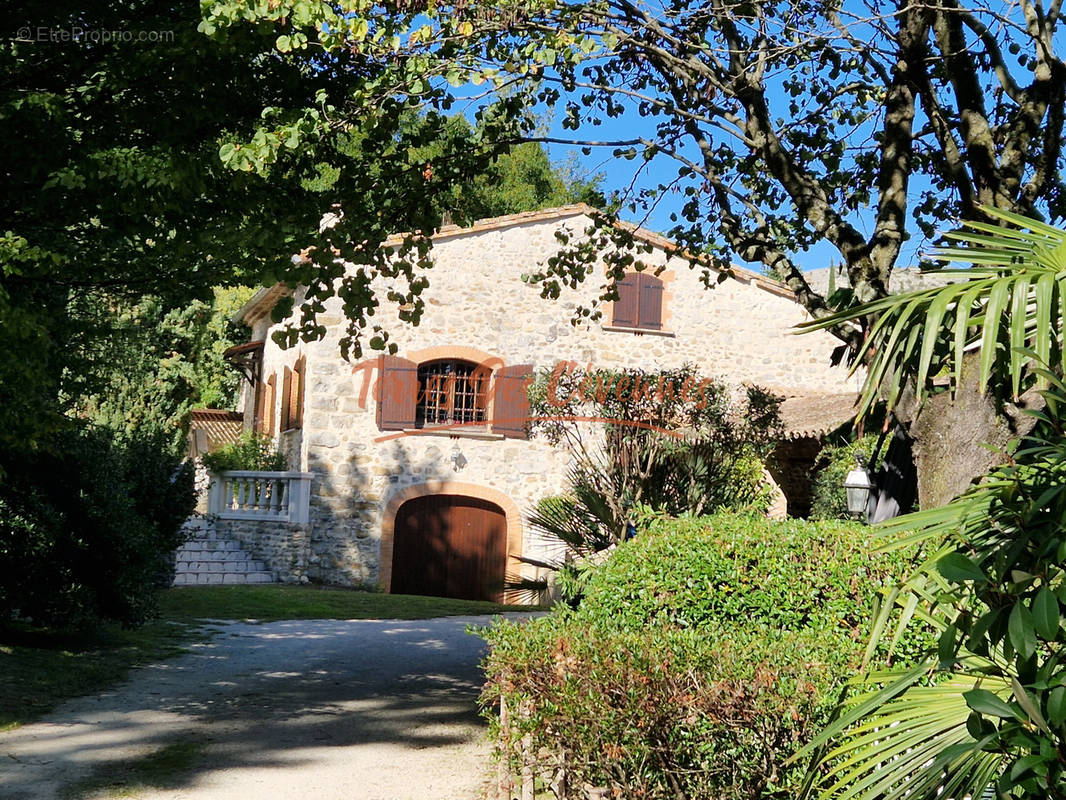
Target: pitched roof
259 303
578 209
814 415
265 298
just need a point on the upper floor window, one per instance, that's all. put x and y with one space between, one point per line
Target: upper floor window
442 393
640 302
264 406
451 392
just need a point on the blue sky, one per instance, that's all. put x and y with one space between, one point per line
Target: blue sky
619 173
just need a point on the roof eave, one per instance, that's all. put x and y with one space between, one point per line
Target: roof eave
259 304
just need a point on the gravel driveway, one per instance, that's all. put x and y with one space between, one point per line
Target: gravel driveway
323 709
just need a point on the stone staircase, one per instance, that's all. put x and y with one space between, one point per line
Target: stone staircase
205 559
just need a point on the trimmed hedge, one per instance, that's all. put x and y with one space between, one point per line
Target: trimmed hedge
704 653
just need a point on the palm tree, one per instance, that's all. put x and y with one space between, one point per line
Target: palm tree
983 713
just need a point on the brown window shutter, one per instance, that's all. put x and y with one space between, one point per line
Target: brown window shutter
397 395
625 307
286 400
268 412
296 399
260 407
510 401
650 308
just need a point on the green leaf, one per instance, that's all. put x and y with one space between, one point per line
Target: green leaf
985 702
226 152
1028 706
1017 333
946 645
997 301
934 316
962 327
958 568
1024 765
1056 706
1021 630
1045 302
1046 614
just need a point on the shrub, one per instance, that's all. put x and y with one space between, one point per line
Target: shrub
705 652
669 439
253 451
88 527
828 498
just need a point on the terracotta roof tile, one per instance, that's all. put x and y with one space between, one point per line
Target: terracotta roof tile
815 415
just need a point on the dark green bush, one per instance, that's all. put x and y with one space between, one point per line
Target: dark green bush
828 499
88 527
704 653
252 450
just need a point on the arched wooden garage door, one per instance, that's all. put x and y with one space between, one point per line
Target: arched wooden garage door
449 546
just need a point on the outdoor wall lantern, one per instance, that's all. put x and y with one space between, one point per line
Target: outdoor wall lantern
457 458
858 486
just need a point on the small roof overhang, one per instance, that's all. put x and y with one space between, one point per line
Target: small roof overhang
814 415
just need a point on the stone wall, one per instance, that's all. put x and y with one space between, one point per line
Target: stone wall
479 308
282 546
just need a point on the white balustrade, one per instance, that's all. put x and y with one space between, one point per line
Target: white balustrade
251 494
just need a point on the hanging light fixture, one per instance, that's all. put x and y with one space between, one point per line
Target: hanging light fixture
858 486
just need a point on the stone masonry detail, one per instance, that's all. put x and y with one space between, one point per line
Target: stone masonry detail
740 331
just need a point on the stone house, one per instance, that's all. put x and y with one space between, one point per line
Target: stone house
417 468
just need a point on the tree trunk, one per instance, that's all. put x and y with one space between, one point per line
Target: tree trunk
948 433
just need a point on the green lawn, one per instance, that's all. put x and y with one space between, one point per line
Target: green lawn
39 669
266 603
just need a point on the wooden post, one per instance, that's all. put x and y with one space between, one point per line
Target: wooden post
527 767
503 769
559 784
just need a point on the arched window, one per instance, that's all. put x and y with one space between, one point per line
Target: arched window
451 392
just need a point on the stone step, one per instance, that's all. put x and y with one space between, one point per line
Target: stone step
222 578
221 566
211 544
189 554
196 524
209 560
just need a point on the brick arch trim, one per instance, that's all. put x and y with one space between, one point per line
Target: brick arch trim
454 488
458 352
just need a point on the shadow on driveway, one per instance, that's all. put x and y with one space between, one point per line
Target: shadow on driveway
318 709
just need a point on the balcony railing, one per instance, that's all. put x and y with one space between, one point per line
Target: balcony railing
254 495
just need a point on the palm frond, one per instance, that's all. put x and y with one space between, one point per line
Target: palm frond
904 740
924 733
1009 307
